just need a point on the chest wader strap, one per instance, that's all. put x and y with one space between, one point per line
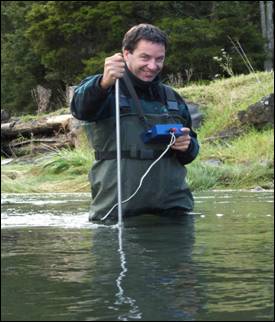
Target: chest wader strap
138 106
171 100
138 155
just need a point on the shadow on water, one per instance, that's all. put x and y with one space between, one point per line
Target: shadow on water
216 265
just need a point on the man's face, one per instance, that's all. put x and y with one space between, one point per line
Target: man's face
146 61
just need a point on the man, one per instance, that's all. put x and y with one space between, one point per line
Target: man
164 190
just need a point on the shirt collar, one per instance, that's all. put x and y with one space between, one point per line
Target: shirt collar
140 83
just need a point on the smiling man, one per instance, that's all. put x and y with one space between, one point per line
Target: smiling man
164 191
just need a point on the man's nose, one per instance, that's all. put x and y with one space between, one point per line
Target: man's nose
152 65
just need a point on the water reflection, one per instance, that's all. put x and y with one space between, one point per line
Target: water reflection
145 270
56 266
134 312
161 262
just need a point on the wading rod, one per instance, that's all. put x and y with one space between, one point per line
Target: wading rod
118 154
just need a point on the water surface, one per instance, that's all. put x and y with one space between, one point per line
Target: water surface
214 265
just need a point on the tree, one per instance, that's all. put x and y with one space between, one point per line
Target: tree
55 44
195 41
20 67
266 10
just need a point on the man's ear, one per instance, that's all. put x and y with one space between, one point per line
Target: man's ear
125 54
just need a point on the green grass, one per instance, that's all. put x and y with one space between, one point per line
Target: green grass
243 162
203 176
27 118
72 162
252 146
222 99
65 171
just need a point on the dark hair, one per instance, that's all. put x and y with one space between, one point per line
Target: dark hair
143 32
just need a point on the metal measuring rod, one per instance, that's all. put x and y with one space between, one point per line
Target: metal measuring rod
118 154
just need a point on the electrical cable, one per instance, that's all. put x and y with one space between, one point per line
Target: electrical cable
172 141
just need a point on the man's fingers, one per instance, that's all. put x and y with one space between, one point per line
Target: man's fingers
182 142
185 130
118 57
114 68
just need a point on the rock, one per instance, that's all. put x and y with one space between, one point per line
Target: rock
196 115
226 134
213 162
259 114
257 189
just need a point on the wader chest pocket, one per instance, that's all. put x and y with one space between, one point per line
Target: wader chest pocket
172 106
124 104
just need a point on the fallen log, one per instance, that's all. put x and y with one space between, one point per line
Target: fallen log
42 135
45 126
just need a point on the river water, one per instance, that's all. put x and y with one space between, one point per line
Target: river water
213 265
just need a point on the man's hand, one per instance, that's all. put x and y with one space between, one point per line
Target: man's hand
113 68
182 142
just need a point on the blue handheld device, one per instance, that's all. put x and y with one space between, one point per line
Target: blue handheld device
161 133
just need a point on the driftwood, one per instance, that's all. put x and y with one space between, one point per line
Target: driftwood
46 125
46 134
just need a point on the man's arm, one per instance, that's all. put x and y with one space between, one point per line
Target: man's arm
91 97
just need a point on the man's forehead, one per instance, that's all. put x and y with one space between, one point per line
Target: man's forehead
146 47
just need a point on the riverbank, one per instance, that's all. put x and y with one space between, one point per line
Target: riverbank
232 155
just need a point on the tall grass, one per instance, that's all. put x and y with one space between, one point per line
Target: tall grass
67 170
222 99
242 162
69 162
203 176
251 146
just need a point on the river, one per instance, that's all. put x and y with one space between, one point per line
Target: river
213 265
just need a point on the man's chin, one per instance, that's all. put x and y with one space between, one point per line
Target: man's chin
147 78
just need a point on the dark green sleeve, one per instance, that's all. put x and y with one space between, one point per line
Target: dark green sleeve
90 101
193 150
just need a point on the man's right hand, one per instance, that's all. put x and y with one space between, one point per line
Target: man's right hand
113 68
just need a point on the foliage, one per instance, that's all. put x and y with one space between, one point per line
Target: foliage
20 67
65 171
57 43
203 176
225 62
73 162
